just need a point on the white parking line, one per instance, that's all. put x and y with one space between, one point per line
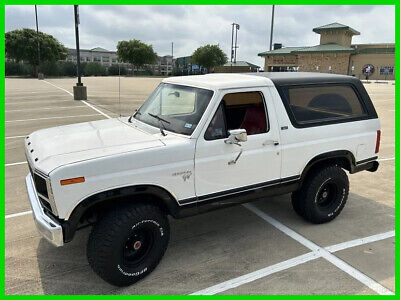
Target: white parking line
45 108
83 101
356 274
35 102
14 137
49 118
362 241
60 88
238 281
15 164
18 214
386 159
99 111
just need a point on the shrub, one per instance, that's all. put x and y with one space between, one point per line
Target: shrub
114 70
94 69
67 68
18 69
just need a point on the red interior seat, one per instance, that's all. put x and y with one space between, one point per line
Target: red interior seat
254 120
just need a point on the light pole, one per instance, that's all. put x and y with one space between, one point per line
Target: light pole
172 57
235 28
80 92
40 75
272 28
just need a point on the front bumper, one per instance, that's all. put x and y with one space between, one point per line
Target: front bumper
47 227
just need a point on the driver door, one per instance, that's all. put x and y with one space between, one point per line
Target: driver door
216 175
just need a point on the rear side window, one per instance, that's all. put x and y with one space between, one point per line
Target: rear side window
323 103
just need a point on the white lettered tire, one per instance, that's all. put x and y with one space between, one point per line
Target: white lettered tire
323 195
128 243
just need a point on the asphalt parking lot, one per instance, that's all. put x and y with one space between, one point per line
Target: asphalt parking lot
257 248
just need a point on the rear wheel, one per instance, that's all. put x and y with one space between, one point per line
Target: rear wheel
323 195
128 243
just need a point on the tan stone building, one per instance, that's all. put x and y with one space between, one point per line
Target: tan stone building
335 54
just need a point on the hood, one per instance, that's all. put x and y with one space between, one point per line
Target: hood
50 148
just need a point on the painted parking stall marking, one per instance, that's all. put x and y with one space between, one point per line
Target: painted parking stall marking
49 118
83 101
317 252
18 214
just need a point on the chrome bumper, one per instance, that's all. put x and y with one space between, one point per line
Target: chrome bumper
49 229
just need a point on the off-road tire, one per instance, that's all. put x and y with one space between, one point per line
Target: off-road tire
107 249
323 195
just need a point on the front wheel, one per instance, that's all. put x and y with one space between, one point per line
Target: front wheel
323 195
128 243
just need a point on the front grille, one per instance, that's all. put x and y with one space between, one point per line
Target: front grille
41 189
40 184
45 204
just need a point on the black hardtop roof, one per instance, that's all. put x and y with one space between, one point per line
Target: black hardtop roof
295 78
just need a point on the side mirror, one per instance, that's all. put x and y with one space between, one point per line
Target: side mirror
236 136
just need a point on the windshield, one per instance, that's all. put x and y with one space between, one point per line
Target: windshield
181 107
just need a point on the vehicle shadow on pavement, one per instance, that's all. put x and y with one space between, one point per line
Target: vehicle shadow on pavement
211 248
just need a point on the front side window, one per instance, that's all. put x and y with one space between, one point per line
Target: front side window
323 103
180 106
238 111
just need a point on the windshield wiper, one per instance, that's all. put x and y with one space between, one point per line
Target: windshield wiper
160 120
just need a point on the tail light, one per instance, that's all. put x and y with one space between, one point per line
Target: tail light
378 141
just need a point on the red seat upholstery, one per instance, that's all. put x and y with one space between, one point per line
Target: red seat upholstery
254 120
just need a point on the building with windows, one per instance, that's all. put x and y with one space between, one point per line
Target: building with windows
335 54
100 55
163 66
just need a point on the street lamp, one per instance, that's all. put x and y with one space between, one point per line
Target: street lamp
40 75
272 28
80 92
235 28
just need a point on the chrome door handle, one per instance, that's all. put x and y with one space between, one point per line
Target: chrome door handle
271 142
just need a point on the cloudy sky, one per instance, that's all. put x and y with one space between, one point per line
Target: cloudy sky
192 26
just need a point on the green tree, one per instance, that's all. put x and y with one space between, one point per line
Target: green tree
209 56
21 45
136 53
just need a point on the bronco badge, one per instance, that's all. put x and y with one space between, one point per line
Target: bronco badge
185 174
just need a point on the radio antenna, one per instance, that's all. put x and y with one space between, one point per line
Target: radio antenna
119 89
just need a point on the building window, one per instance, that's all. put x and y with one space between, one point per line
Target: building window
97 59
114 60
106 59
88 59
386 70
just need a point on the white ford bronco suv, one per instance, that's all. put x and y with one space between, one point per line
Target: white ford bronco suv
199 143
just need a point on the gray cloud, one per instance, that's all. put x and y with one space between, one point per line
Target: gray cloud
192 26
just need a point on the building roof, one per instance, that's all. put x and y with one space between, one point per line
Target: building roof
99 49
240 63
281 51
334 26
326 48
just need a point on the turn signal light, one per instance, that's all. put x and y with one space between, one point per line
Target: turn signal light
72 180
